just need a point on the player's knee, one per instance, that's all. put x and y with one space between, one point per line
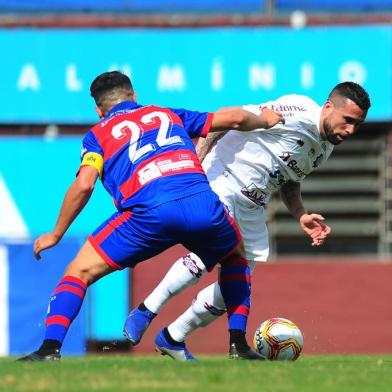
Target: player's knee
206 312
209 304
86 272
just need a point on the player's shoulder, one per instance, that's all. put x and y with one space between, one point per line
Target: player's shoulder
286 103
296 102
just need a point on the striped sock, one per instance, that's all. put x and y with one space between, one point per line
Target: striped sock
64 306
235 288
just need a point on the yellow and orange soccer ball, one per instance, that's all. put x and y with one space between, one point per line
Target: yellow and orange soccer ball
278 339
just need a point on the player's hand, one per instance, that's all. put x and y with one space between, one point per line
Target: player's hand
271 118
315 228
43 242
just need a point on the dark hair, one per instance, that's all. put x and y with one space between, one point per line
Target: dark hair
108 82
354 92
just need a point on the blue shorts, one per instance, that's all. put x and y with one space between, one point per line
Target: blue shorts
199 222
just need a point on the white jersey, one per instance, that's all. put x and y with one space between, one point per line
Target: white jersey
261 161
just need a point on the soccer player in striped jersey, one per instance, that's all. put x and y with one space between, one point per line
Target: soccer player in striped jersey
244 170
147 162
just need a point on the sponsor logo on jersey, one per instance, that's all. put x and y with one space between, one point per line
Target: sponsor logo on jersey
158 169
292 164
285 156
192 266
288 108
255 194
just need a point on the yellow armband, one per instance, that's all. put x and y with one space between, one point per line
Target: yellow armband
95 160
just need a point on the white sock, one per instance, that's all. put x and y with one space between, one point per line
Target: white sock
206 308
185 272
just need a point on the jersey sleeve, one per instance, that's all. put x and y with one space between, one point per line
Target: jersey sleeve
92 153
296 109
196 124
255 109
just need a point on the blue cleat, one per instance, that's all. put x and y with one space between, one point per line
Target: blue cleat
136 324
179 352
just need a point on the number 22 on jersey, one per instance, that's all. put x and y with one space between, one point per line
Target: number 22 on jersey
136 150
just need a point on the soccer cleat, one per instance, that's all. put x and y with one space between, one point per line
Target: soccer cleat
235 353
175 351
36 357
136 324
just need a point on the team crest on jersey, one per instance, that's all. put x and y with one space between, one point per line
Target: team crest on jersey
311 152
255 194
317 161
300 142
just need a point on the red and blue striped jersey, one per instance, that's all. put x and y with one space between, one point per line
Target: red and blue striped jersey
145 155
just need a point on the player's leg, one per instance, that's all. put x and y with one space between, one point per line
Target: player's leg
185 272
207 307
115 244
209 303
66 301
221 241
235 285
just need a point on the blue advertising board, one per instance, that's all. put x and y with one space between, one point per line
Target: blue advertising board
26 288
333 5
49 71
35 172
153 6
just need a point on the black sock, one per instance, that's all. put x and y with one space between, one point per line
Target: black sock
238 337
49 346
142 307
171 340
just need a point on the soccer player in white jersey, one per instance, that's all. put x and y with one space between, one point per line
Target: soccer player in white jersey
244 170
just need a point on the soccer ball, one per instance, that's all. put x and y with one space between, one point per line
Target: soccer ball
278 339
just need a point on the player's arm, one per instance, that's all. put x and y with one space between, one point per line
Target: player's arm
238 119
74 201
311 224
243 120
204 145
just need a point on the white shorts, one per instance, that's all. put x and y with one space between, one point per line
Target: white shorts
250 218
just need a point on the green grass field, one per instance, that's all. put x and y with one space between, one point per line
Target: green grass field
156 373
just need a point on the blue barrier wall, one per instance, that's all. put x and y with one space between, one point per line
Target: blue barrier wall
333 5
155 6
34 175
28 289
189 6
198 69
26 286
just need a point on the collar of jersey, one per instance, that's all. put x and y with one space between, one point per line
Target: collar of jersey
122 107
